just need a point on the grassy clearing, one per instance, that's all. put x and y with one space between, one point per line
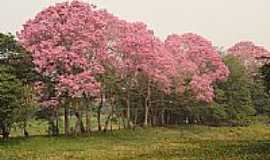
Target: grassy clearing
186 143
40 127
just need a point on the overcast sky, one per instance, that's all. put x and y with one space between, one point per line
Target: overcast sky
222 21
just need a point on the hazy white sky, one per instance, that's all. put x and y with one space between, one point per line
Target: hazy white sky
222 21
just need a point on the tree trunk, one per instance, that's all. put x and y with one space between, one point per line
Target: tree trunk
56 123
146 110
88 121
162 117
119 122
124 123
66 124
168 119
5 135
154 119
147 104
25 132
51 128
107 123
135 117
112 112
128 109
79 124
111 125
5 132
99 112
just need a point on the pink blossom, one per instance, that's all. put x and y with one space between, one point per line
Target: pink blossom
248 53
198 63
68 41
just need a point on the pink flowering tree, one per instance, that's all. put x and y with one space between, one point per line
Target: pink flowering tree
249 53
198 64
84 53
67 42
136 52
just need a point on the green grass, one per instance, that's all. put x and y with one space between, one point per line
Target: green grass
40 127
186 143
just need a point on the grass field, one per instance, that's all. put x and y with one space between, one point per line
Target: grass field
186 143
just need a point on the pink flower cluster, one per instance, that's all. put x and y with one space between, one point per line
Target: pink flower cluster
66 42
198 63
45 99
138 51
248 53
79 84
73 43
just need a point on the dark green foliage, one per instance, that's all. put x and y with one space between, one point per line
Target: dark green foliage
13 55
11 98
265 73
17 76
233 97
260 97
8 44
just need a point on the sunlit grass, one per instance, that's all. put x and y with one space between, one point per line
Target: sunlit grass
187 142
40 127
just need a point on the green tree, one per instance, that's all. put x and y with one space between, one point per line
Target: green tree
18 64
11 96
233 99
260 97
265 75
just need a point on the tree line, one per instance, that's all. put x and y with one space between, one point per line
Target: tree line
74 59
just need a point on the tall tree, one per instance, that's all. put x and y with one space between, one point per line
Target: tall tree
199 65
11 98
19 64
234 96
66 42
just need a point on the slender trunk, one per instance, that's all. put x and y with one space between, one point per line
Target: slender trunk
88 121
111 125
119 122
98 118
147 104
79 116
87 115
107 123
187 120
99 112
112 112
82 128
135 117
168 117
66 123
150 118
51 128
25 132
146 110
79 124
56 122
124 123
5 132
128 109
162 117
154 119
